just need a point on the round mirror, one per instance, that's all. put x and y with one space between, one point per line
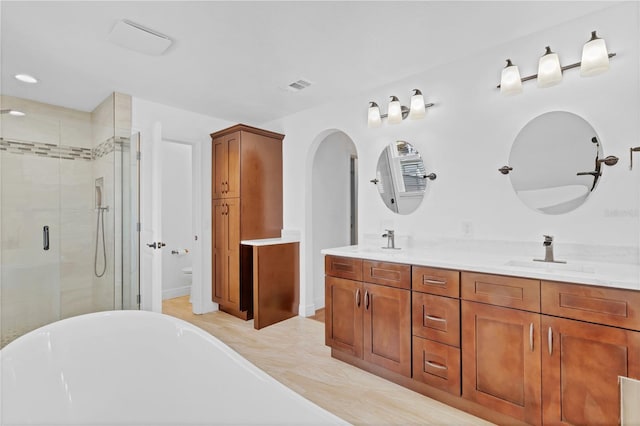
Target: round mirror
556 162
401 177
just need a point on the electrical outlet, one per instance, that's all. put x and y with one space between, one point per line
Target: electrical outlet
467 229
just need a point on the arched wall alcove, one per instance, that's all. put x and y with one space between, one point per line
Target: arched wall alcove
331 207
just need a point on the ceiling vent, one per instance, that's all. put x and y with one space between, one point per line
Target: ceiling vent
135 37
298 85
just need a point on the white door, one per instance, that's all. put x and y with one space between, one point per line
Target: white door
151 220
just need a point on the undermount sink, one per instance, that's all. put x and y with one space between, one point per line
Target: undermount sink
552 267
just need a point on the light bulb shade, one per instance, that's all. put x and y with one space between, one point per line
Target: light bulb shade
373 118
595 58
418 109
510 82
549 70
394 113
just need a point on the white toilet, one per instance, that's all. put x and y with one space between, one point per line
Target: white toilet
189 271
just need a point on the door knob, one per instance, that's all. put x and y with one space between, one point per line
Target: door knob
157 245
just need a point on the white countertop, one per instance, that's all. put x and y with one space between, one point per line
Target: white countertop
270 241
616 275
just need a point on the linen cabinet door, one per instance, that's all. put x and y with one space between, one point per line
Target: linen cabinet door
220 168
581 363
387 327
232 182
219 276
501 360
232 258
343 315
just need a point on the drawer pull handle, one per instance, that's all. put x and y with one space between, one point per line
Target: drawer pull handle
436 365
366 299
432 318
435 282
358 297
531 337
550 340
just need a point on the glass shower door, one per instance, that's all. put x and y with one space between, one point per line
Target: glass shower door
30 222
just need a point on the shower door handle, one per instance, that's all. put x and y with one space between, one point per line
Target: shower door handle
45 237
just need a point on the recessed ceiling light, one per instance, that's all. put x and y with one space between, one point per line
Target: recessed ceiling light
26 78
13 112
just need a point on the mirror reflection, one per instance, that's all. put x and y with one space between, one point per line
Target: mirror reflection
401 177
557 162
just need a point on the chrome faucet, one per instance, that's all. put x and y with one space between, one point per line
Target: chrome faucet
391 239
548 251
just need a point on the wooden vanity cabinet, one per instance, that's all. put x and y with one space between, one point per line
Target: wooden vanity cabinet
246 205
367 320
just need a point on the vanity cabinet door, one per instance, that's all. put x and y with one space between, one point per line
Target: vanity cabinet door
581 363
344 306
387 327
501 360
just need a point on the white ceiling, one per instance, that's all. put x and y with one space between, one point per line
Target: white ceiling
232 59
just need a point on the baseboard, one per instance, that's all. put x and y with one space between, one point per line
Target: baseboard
172 293
319 303
307 310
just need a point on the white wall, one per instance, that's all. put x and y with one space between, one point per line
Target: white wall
157 122
331 203
177 212
467 136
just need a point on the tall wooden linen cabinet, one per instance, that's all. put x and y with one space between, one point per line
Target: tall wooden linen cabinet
246 194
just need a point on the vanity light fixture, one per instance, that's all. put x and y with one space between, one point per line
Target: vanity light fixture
26 78
510 82
397 112
549 69
595 60
394 112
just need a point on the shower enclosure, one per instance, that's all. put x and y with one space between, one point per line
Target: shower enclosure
68 212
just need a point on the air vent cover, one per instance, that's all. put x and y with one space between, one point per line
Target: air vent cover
135 37
299 85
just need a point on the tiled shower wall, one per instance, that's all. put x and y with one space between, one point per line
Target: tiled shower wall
49 161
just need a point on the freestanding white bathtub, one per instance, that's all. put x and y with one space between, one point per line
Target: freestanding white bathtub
143 368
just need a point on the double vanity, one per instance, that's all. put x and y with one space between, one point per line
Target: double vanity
509 340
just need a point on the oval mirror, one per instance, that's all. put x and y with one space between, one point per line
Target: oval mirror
556 162
401 177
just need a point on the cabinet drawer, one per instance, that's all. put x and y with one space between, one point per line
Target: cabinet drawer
436 318
385 273
436 364
609 306
512 292
442 282
343 267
